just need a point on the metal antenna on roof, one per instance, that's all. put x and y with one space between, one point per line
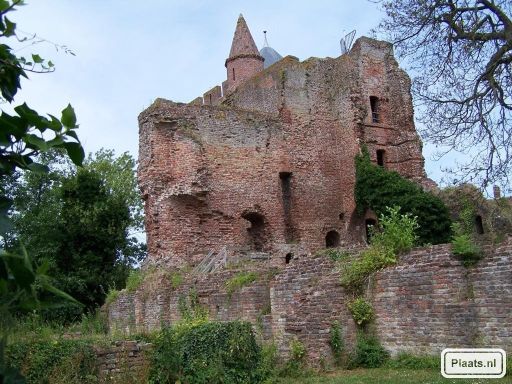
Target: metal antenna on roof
266 42
346 42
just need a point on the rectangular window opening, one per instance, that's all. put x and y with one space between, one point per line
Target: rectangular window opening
286 188
374 106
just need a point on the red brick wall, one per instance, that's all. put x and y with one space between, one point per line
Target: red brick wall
202 167
427 302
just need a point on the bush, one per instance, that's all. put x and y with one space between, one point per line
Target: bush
112 296
371 260
361 310
369 353
336 342
464 247
377 188
397 231
134 280
405 360
240 280
207 352
295 365
396 235
334 254
54 361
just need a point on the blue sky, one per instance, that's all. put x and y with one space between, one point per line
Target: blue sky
130 52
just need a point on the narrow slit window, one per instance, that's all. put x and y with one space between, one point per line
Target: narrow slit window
374 106
234 74
479 225
381 157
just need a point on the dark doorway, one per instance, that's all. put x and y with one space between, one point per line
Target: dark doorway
256 231
332 239
381 157
288 258
479 225
369 225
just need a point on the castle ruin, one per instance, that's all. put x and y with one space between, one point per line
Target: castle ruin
261 172
265 164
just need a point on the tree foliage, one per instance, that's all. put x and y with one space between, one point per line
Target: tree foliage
461 53
80 220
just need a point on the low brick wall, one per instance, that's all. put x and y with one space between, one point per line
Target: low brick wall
427 302
124 362
430 301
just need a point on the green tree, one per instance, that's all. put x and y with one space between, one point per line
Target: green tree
461 53
82 221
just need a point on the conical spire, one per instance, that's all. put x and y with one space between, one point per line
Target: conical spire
244 60
243 43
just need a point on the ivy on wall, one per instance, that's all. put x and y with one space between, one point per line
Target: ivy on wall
377 188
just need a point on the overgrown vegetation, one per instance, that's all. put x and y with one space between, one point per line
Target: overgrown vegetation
240 280
134 280
465 247
377 188
54 361
361 310
207 352
336 342
396 235
369 353
190 308
295 365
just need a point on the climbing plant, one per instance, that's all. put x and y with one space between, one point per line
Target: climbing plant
377 188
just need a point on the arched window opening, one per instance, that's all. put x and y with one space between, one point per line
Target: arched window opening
257 230
369 225
332 239
381 157
479 225
374 106
288 258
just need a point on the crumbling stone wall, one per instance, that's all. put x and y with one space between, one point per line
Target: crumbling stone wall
427 302
126 361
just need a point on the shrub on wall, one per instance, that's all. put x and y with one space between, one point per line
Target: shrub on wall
240 280
377 188
361 310
207 352
396 235
336 342
464 247
54 361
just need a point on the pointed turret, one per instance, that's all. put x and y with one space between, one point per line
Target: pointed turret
244 60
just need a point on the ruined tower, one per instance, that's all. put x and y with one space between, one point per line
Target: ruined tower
266 168
244 59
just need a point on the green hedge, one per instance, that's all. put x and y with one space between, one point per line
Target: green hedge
54 361
377 188
207 352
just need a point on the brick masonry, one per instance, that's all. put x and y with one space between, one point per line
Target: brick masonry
271 164
265 165
126 361
427 302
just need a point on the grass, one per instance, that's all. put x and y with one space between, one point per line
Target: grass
387 376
